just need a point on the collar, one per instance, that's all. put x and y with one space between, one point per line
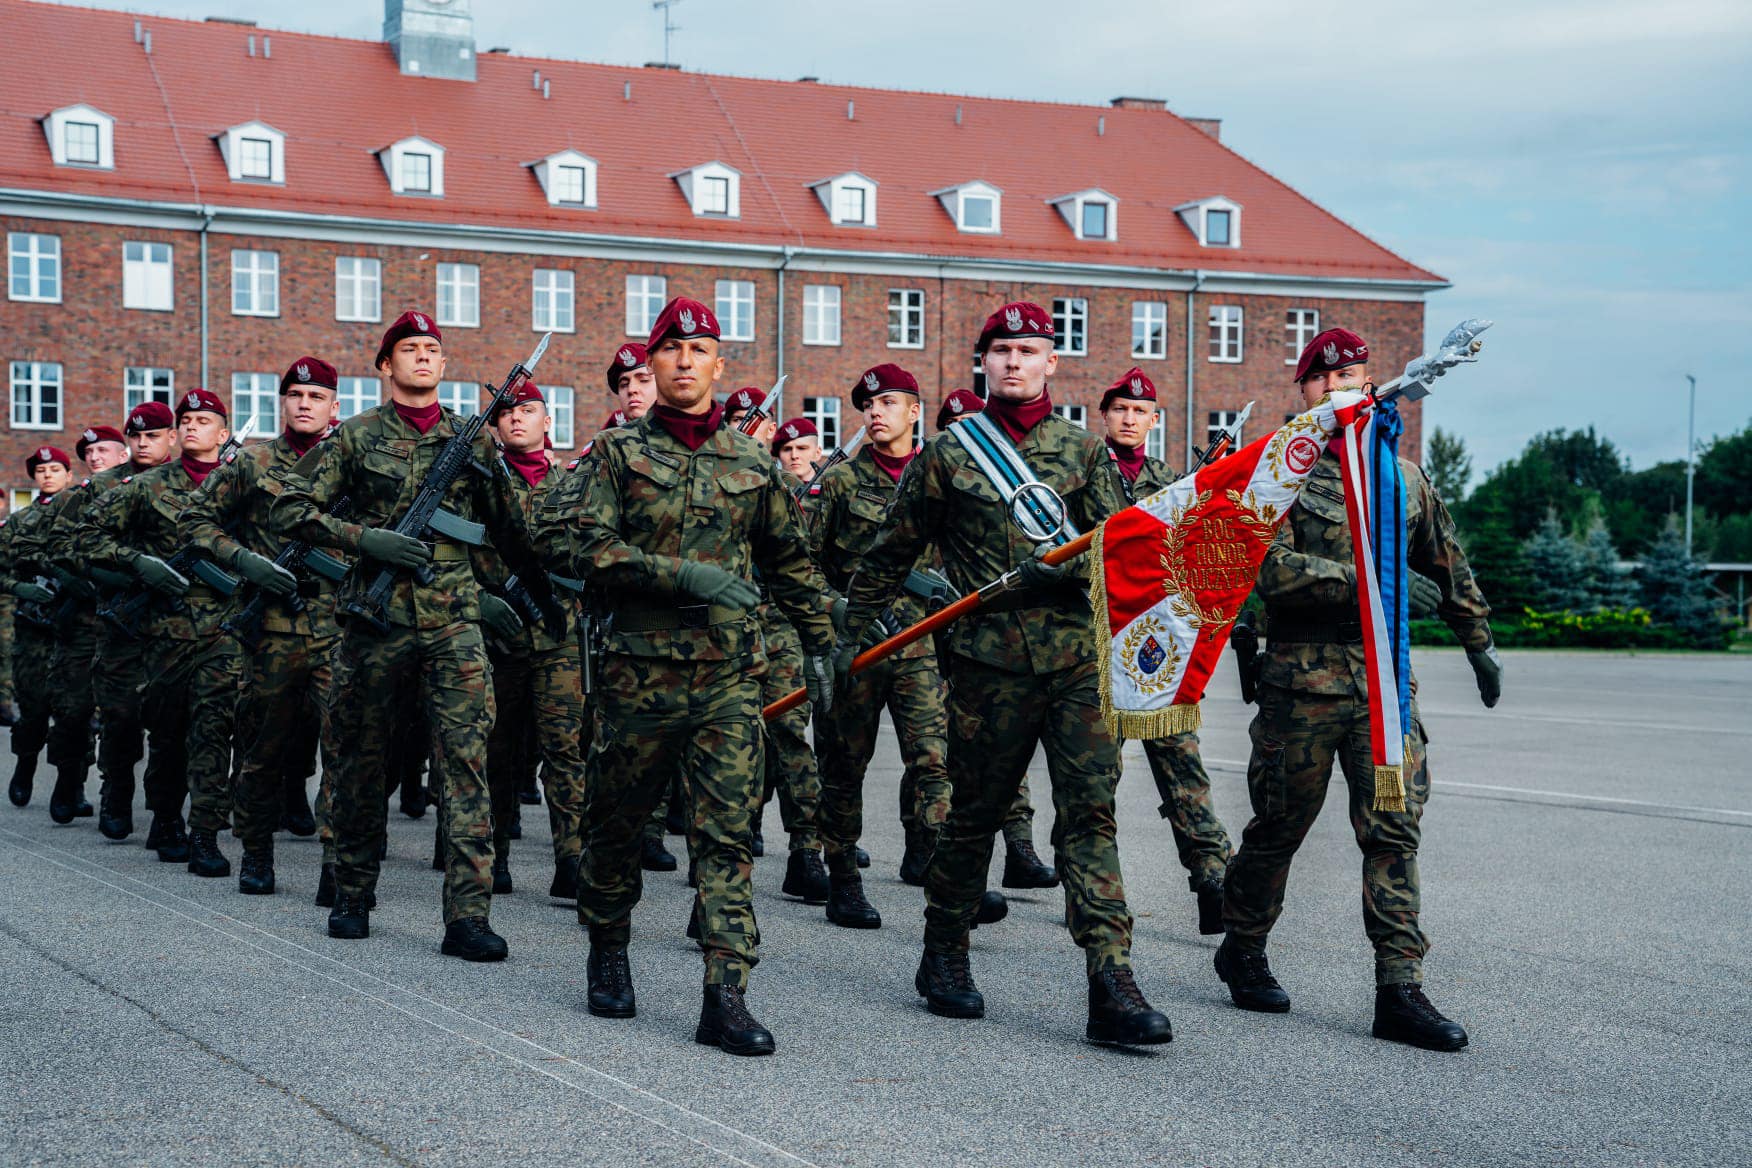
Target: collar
301 444
197 469
1018 419
421 418
531 466
890 465
1130 459
691 430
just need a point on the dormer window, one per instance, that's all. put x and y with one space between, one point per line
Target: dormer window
850 199
1091 214
254 152
712 189
568 179
81 136
975 207
1216 222
415 166
416 173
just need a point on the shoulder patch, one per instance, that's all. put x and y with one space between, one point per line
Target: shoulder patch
815 488
126 479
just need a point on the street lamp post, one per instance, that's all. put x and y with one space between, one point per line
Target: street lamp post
1690 459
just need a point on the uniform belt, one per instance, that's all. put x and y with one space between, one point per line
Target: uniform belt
1313 628
640 618
443 551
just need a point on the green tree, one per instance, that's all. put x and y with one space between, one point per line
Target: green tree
1449 466
1554 562
1603 582
1675 592
1724 475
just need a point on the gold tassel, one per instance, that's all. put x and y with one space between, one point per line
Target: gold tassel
1389 788
1142 725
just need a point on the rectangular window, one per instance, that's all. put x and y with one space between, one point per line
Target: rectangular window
825 413
82 143
416 172
255 158
255 283
1216 229
978 384
1070 326
848 204
462 396
714 195
34 267
1149 329
1226 332
36 395
255 402
459 295
1301 325
358 288
146 276
358 394
1218 421
559 403
553 300
1156 441
141 385
736 309
568 184
1076 415
645 299
1094 219
821 317
906 318
978 212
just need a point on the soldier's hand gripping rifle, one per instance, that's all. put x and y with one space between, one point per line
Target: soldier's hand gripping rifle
841 453
426 516
303 560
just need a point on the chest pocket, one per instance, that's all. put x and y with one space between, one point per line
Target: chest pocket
652 491
739 491
167 505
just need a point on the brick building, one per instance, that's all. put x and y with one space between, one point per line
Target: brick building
200 202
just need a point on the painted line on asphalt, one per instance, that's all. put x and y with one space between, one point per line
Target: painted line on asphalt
1614 723
735 1145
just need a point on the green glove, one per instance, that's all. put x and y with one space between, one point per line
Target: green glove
9 713
818 671
714 585
1425 595
31 590
837 613
843 653
1037 573
264 573
500 618
159 576
884 626
1487 667
393 548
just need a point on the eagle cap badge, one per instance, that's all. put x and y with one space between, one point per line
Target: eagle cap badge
626 358
1330 353
420 322
303 371
871 380
1013 318
687 321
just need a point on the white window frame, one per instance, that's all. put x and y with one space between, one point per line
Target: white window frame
79 157
416 172
459 295
44 385
55 127
255 158
906 317
1149 315
391 157
562 403
148 275
255 282
1072 206
236 146
694 186
144 383
252 396
821 316
825 413
1070 320
462 397
834 192
358 288
646 296
41 256
555 175
355 395
1075 414
1196 216
734 304
553 300
1217 423
1301 325
1228 336
1156 439
955 200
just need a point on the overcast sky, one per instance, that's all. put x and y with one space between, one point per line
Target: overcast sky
1577 168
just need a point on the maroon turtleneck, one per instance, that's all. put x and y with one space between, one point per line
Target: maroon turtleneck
301 444
691 430
1129 458
531 466
892 466
197 469
421 418
1017 418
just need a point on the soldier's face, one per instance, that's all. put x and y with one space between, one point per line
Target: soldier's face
152 447
1129 422
202 434
1317 385
51 477
1016 368
889 417
415 366
103 455
638 389
524 427
799 455
686 369
309 409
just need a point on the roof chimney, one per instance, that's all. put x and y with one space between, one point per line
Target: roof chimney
431 38
1149 103
1211 126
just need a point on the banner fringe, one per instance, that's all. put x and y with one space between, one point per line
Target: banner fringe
1138 725
1390 788
1143 725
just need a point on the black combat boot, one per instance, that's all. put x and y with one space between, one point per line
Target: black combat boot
1248 974
1119 1014
349 920
921 844
1210 907
67 800
945 981
806 877
1403 1014
325 887
295 816
693 873
255 873
847 906
472 939
1023 867
726 1023
863 856
654 857
413 799
757 845
528 794
438 864
173 839
675 815
693 923
205 858
23 779
515 831
565 885
502 883
115 816
993 907
610 981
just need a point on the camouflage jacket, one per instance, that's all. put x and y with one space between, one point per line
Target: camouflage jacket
53 546
378 460
534 638
141 514
1151 479
17 563
846 514
231 514
1308 576
945 500
643 503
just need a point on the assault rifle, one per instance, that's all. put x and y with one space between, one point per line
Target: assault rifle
426 516
841 453
303 560
753 418
38 613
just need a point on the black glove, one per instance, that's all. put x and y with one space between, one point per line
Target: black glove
393 548
159 576
843 653
884 626
1037 573
500 618
1425 595
264 573
818 672
714 585
1487 667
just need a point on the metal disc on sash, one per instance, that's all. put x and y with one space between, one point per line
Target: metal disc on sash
1038 512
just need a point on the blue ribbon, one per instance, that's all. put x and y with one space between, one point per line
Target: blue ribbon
1387 532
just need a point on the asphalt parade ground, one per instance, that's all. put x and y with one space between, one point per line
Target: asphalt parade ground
1587 870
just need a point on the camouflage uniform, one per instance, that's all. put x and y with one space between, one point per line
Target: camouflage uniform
1021 671
377 459
791 768
29 645
680 683
1313 706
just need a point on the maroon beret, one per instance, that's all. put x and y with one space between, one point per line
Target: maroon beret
310 371
408 324
747 398
682 317
526 391
1333 349
958 405
791 431
882 379
93 435
152 415
1017 319
44 454
615 419
199 399
626 358
1134 385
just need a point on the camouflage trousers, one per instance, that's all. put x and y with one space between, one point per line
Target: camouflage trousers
651 718
35 685
448 665
279 717
192 694
540 698
72 697
8 645
120 670
790 767
1296 735
1199 837
845 741
1018 820
995 721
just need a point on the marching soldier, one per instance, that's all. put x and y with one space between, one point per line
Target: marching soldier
1313 706
430 633
631 382
1129 409
797 446
677 515
1021 673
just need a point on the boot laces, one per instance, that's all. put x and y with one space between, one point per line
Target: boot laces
1123 987
613 971
1413 996
734 1009
349 906
956 971
1255 970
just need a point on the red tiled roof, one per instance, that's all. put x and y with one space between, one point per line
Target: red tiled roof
340 101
